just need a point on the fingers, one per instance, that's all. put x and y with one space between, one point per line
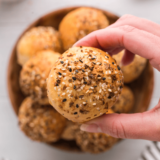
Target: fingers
92 40
131 126
134 40
127 58
139 23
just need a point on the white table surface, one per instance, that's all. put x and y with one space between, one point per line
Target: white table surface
14 18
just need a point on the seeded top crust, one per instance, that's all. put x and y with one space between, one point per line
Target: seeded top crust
80 22
35 40
94 142
84 83
132 71
34 74
40 122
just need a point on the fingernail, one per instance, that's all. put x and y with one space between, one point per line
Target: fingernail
91 128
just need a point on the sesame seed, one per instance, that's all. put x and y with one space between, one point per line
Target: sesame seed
81 61
63 94
74 78
59 73
108 72
104 78
74 87
56 84
51 75
106 61
84 102
109 97
118 68
85 82
59 89
63 82
64 74
94 104
64 100
86 73
83 70
55 88
112 62
82 86
91 87
81 96
61 62
109 90
100 91
98 108
75 112
59 76
70 69
76 71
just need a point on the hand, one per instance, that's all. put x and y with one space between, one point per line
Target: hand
136 36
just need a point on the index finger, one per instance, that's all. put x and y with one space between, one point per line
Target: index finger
136 41
139 23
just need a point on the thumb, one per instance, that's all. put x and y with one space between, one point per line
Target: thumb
128 126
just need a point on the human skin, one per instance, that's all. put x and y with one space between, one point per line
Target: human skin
137 36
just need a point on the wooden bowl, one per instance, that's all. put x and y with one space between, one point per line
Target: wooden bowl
142 87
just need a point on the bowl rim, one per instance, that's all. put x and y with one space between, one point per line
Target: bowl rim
34 23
